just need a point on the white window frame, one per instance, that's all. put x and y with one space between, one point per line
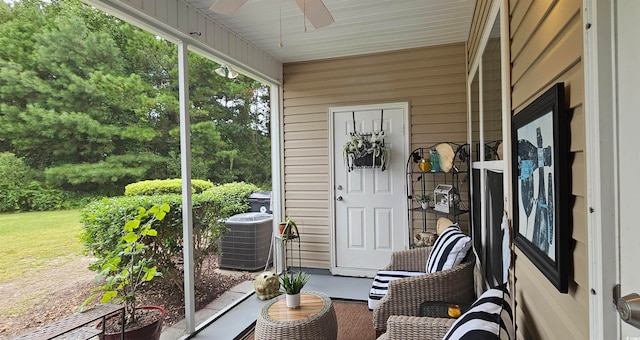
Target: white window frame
499 10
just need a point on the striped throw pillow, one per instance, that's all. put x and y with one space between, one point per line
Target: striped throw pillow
450 249
490 317
381 284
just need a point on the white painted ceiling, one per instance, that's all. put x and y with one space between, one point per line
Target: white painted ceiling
360 27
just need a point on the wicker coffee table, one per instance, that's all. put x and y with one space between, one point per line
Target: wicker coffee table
314 319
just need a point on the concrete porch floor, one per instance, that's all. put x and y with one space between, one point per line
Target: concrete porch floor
237 309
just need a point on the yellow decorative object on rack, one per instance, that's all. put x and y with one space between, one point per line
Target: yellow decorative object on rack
424 165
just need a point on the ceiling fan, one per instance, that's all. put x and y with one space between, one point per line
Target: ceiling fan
314 10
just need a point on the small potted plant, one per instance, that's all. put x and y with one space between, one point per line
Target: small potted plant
123 271
423 200
288 228
291 284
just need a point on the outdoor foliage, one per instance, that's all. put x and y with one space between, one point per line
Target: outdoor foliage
20 190
34 197
164 186
91 103
107 176
15 175
130 264
234 196
103 219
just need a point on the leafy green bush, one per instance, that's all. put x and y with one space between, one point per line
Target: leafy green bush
9 200
76 200
20 191
234 195
130 265
15 172
35 197
103 220
15 175
164 186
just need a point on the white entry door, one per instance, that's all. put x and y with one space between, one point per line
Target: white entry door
628 102
369 205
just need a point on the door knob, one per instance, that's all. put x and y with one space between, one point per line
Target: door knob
628 307
339 198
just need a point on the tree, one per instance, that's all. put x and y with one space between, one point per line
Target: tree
93 102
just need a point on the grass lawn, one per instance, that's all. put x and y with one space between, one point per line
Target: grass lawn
29 240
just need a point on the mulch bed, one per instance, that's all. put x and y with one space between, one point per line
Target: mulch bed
210 286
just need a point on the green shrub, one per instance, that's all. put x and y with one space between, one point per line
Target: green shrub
75 200
234 195
164 186
32 197
9 200
131 264
15 172
103 220
16 176
20 189
37 198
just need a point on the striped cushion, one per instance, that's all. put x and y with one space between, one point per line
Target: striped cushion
490 317
450 249
381 283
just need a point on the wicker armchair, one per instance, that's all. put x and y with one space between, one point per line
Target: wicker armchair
404 296
400 327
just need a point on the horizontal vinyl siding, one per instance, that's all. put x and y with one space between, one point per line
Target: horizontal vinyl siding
431 79
546 47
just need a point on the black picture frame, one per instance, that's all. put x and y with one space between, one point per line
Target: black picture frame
539 135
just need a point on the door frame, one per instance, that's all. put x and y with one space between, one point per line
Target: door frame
600 126
332 188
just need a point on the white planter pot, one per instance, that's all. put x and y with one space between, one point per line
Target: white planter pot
293 300
424 205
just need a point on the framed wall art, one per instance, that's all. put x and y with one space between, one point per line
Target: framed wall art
541 185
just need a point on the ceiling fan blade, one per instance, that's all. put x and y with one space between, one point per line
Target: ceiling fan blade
316 12
226 6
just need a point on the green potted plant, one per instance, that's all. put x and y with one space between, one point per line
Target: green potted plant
291 284
123 271
423 200
288 228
